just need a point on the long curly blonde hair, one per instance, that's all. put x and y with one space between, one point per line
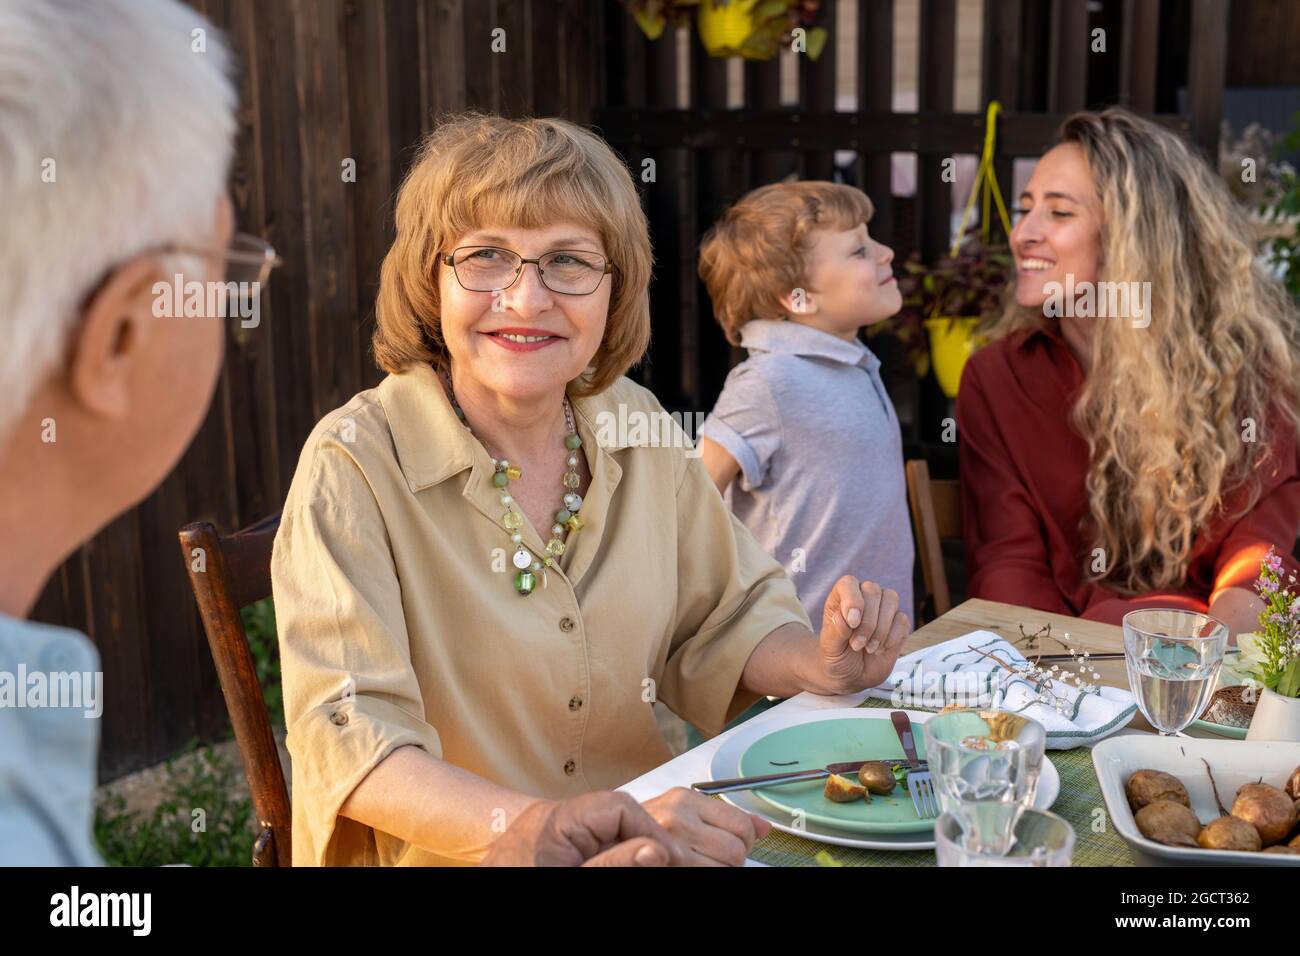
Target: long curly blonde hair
1169 411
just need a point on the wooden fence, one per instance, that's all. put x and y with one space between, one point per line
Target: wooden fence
327 81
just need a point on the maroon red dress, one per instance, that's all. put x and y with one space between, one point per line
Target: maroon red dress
1023 501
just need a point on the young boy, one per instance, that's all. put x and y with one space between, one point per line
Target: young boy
803 441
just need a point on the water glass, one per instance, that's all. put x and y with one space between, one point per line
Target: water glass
1039 839
1173 659
985 766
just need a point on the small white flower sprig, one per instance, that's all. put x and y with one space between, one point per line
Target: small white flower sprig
1044 678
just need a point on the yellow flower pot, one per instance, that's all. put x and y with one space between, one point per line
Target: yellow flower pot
951 342
725 28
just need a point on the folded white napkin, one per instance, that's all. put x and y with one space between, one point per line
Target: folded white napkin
953 673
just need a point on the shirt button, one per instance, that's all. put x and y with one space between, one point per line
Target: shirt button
338 719
575 703
570 767
566 624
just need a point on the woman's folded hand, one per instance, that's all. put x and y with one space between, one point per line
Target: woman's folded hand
708 831
594 829
863 630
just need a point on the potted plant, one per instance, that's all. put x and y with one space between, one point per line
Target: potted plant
1270 658
753 29
945 303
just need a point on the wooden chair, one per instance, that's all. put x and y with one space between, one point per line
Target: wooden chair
228 572
936 516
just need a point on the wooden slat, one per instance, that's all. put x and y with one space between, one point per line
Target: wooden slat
1023 134
1138 50
935 94
874 79
817 91
1001 79
116 627
1209 59
763 92
666 197
513 74
1068 69
444 36
720 182
480 65
366 49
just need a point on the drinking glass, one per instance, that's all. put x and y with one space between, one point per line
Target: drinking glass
1173 659
985 766
1039 839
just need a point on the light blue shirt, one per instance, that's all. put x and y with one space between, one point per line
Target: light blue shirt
47 753
821 482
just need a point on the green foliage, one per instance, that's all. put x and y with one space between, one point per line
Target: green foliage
259 623
971 283
1286 249
202 821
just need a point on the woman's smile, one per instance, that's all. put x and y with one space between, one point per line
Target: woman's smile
518 339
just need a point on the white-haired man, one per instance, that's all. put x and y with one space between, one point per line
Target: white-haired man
116 132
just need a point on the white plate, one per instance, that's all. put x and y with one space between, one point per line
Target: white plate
1235 763
726 764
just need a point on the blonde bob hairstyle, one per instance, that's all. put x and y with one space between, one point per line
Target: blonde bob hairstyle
476 171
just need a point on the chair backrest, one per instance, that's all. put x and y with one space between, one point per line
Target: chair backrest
228 572
936 516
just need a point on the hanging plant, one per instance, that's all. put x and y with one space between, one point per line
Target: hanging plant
752 29
966 285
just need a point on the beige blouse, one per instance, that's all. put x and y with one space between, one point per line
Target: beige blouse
399 622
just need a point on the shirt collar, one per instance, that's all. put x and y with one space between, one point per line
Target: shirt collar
786 336
432 444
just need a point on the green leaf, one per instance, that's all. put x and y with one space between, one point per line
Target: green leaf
816 42
651 24
1288 684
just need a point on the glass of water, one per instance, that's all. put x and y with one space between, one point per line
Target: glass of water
1040 839
985 766
1173 659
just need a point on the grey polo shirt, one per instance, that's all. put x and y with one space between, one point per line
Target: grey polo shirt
821 482
48 746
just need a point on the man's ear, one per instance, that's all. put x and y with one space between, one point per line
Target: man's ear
113 330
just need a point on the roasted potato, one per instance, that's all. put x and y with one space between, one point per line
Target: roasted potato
1168 822
1229 833
843 790
1147 786
1292 787
877 778
1269 809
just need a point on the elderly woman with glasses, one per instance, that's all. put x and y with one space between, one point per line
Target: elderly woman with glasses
484 578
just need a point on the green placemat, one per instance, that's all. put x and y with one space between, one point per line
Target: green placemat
1080 802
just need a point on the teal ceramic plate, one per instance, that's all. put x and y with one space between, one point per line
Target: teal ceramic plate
831 741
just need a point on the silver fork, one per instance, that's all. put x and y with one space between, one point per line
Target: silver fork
919 784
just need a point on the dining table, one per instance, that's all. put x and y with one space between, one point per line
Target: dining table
1080 800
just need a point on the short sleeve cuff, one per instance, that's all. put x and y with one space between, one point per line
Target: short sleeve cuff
708 675
334 747
742 451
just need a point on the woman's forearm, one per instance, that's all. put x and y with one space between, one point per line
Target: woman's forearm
1238 608
434 805
783 664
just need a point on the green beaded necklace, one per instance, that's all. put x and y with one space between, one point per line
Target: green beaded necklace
528 565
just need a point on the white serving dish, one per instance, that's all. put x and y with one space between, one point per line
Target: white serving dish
1234 762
